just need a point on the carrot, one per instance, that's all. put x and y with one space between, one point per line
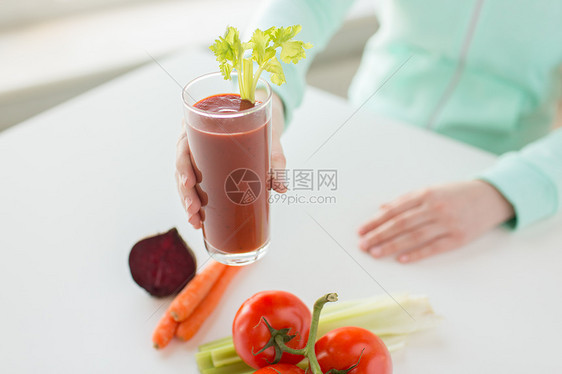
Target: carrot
195 291
188 328
165 331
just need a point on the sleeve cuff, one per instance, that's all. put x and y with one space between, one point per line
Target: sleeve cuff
532 194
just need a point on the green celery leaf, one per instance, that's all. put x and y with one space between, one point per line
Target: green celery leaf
274 67
225 69
259 43
293 51
228 50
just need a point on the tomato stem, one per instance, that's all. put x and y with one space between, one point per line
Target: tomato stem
308 351
277 341
285 348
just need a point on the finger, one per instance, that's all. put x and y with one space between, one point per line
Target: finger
183 134
189 196
195 221
191 204
277 155
391 210
183 163
179 185
402 223
434 247
409 240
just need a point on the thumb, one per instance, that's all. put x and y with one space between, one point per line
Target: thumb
278 174
277 156
278 163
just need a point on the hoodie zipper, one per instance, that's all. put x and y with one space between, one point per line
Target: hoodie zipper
460 66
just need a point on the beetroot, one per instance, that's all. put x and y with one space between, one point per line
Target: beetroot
162 264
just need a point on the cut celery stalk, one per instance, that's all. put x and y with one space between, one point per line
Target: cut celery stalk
206 366
394 342
346 304
224 356
216 344
204 360
380 314
237 368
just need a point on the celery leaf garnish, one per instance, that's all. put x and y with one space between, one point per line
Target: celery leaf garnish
229 51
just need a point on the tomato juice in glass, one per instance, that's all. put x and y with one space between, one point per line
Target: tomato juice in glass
229 141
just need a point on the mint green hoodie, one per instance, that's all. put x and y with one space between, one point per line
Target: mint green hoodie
485 72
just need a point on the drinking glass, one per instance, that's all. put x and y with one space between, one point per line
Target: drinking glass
230 150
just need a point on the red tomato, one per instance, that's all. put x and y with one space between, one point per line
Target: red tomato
282 310
340 349
280 369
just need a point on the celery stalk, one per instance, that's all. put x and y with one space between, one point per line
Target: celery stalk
216 344
204 360
383 316
224 356
394 342
237 368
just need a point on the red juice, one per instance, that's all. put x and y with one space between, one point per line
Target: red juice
230 156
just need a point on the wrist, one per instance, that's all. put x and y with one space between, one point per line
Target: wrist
500 208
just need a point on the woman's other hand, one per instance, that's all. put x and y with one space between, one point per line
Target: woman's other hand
434 220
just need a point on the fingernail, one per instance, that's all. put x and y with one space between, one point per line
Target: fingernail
403 258
184 180
376 251
363 246
187 203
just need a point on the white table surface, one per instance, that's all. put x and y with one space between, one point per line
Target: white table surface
81 183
